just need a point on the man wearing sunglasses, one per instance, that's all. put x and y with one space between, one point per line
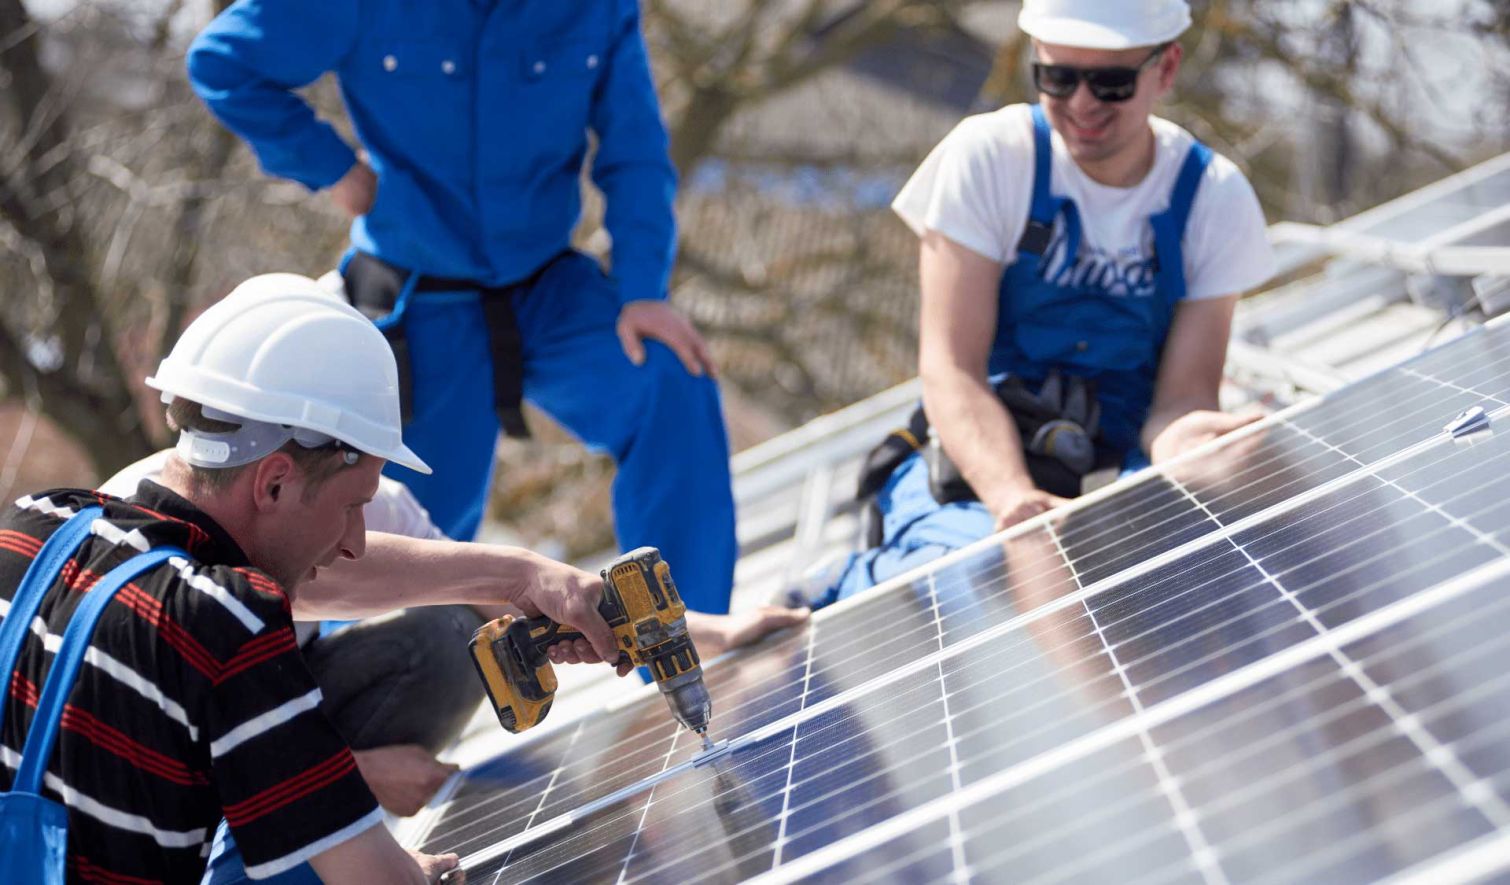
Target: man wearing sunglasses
1080 263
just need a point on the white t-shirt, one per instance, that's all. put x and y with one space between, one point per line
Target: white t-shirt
976 186
394 510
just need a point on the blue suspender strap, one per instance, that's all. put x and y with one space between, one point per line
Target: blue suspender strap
44 569
1169 225
1039 232
1043 208
65 665
1183 196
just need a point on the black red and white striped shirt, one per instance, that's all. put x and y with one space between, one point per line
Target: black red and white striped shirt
193 701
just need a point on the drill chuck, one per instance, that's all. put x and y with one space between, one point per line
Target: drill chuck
688 699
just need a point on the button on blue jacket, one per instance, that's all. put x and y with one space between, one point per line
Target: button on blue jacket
475 114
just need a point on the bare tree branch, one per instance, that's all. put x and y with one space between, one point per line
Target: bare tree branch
87 393
1328 82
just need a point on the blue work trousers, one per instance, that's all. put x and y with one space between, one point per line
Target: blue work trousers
662 426
916 529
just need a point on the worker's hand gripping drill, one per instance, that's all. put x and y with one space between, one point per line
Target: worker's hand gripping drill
645 612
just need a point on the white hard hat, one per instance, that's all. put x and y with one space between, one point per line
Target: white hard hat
1104 24
283 351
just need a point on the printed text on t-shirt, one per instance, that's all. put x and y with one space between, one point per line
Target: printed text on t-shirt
1122 274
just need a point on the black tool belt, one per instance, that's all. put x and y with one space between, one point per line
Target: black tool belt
374 287
1059 427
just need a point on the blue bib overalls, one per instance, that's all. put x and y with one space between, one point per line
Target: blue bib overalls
1054 313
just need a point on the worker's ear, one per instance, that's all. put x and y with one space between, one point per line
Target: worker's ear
272 478
1168 66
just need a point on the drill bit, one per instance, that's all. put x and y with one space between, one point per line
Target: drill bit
707 744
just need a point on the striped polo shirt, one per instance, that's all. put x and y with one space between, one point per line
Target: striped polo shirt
193 702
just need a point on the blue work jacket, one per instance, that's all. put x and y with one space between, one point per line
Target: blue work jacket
475 115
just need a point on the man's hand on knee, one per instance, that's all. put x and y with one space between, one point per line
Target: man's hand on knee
403 777
639 320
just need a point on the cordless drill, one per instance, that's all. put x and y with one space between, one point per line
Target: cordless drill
648 619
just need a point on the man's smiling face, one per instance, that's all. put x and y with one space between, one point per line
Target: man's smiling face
1098 131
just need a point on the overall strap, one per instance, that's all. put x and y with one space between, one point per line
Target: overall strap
65 665
1044 209
1169 225
44 569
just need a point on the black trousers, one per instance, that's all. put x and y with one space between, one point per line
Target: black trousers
402 678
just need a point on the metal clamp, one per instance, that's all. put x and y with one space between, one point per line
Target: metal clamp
712 754
1468 422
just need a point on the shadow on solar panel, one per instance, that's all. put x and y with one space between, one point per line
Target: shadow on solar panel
1283 661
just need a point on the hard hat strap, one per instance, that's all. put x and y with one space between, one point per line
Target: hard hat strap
248 442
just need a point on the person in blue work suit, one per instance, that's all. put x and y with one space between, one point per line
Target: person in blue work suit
1080 263
474 118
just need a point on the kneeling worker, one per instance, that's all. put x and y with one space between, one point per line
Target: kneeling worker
401 687
1080 263
192 701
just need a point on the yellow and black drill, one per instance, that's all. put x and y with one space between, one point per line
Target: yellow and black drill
644 610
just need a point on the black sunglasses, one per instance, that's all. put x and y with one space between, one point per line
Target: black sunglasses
1105 84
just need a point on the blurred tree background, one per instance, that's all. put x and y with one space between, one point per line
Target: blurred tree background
124 207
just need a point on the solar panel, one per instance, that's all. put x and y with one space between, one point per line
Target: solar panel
1275 662
1429 212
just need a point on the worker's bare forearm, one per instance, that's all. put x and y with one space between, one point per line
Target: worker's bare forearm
977 432
373 858
956 329
1190 378
397 572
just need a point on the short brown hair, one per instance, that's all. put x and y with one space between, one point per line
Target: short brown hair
318 464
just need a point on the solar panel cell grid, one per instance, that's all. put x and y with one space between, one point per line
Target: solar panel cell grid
1106 538
1108 818
1260 471
1304 761
988 726
1230 672
925 855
